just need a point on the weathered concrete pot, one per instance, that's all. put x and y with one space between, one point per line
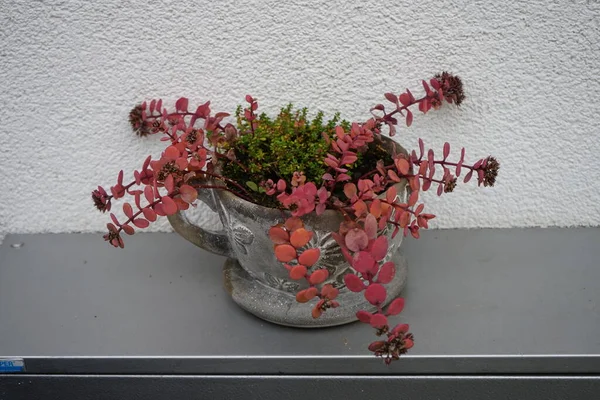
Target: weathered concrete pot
258 282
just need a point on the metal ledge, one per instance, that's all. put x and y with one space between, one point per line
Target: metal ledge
490 301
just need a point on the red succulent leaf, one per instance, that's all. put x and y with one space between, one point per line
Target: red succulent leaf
409 118
318 277
172 153
468 176
169 206
350 190
114 219
128 210
402 165
300 237
391 194
298 272
141 223
279 235
446 150
375 208
181 104
329 292
354 283
371 226
405 99
317 311
395 307
375 294
309 257
306 295
128 229
378 321
386 272
377 346
149 214
363 262
364 316
149 194
360 208
400 328
188 193
293 223
391 97
412 200
379 248
356 239
285 252
393 176
158 209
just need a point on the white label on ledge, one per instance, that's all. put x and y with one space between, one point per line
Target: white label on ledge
8 365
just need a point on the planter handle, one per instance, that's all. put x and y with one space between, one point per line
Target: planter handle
214 241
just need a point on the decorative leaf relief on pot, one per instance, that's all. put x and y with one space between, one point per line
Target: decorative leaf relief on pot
242 237
331 258
280 284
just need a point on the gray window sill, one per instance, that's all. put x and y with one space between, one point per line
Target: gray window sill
522 303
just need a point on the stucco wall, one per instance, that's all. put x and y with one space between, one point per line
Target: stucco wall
71 70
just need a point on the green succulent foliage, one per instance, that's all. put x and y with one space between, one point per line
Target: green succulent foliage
280 146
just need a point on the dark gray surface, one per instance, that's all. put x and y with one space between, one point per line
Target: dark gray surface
297 387
478 301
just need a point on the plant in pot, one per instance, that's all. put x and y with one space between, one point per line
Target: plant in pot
313 211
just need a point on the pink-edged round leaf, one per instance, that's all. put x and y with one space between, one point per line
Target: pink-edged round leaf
356 239
378 321
128 229
364 316
279 235
379 248
309 257
141 223
298 272
375 294
285 253
386 272
169 206
188 193
300 237
395 307
318 277
354 283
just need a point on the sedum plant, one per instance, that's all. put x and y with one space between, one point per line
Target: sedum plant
302 165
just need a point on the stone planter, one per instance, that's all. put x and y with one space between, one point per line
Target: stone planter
258 282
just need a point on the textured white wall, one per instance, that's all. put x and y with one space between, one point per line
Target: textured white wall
71 70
